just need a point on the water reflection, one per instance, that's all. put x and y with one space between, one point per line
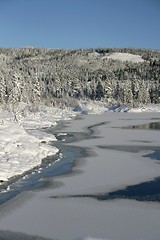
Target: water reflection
147 191
147 126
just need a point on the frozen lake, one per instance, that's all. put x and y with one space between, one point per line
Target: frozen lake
106 185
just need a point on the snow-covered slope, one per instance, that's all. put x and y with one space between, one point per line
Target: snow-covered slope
124 57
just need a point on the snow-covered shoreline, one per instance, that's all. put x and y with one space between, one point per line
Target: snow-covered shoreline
23 146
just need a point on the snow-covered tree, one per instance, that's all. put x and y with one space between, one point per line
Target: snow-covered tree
54 76
2 89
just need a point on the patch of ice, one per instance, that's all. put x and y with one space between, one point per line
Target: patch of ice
62 134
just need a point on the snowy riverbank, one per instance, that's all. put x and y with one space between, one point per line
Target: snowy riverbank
23 146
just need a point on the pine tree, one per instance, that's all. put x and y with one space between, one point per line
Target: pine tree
2 89
99 91
127 93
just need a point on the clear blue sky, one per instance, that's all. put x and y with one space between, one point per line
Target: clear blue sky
80 23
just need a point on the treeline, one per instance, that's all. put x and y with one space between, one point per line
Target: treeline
61 77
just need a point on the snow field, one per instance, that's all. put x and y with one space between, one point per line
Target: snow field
124 57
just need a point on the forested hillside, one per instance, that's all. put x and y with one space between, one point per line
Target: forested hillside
60 77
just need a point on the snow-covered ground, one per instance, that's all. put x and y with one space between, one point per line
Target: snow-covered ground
124 57
22 146
57 213
148 108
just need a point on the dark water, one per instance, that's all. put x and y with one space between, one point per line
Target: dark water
147 126
147 191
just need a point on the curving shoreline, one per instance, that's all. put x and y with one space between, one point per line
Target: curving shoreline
58 164
48 213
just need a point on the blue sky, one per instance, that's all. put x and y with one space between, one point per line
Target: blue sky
80 23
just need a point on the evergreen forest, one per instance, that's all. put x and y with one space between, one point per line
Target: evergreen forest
59 77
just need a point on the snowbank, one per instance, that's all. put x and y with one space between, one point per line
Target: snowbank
90 107
22 146
98 107
20 151
146 108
